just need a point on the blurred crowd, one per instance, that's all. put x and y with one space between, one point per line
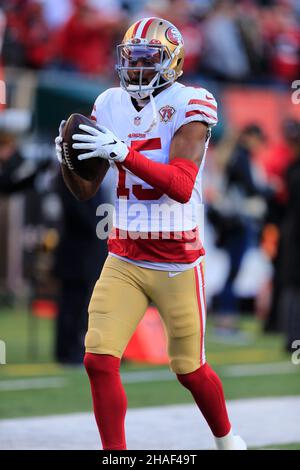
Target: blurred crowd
253 212
254 40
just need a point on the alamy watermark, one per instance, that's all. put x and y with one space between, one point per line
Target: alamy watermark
150 221
296 355
296 94
2 352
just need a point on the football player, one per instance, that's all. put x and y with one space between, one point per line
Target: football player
154 133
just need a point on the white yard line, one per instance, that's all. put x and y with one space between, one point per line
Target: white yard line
143 376
147 376
31 384
262 421
272 368
246 370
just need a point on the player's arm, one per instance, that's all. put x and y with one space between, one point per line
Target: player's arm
189 142
176 179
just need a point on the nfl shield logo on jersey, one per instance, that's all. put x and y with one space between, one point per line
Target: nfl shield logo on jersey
166 113
137 120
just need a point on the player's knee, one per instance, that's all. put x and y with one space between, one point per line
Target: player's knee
101 364
183 365
93 339
198 378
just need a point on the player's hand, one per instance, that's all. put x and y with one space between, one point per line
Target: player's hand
101 143
58 141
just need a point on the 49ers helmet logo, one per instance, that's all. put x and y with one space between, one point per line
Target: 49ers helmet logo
174 36
166 113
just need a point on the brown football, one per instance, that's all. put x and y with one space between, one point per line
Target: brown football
87 169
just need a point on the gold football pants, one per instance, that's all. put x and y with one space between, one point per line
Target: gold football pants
121 297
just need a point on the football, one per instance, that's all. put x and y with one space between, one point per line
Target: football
87 169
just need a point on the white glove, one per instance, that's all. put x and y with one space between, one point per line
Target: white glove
58 141
101 143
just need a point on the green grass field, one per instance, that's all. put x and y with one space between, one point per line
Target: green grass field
292 446
73 393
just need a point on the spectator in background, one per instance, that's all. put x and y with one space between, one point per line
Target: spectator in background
16 172
28 40
85 43
225 55
282 41
181 14
79 259
283 157
289 260
279 159
57 12
238 218
250 28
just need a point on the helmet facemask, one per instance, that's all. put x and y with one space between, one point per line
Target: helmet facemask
135 62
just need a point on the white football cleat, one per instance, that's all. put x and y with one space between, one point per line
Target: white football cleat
240 444
230 442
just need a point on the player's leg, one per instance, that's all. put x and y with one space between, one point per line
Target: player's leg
181 302
117 305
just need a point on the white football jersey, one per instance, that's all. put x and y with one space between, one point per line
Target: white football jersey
150 228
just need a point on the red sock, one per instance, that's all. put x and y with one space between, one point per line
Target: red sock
109 399
207 390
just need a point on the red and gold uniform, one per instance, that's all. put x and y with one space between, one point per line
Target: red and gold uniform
156 251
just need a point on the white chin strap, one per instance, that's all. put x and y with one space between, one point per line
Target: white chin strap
154 115
154 110
138 93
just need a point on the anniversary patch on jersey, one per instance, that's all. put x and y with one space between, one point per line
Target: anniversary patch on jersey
166 113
